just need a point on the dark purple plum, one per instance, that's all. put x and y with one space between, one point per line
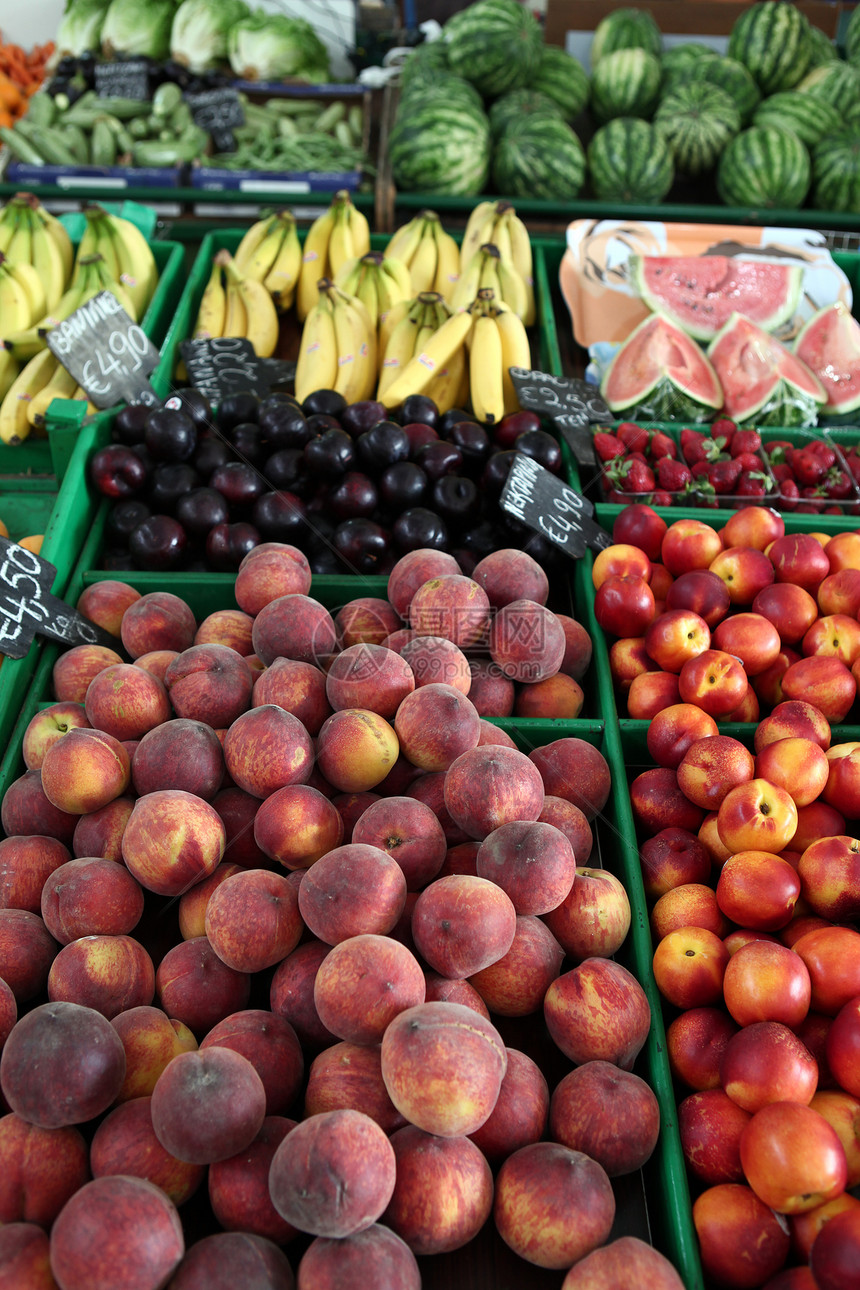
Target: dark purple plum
129 423
451 418
325 560
358 417
247 441
513 425
330 454
354 496
236 408
279 517
383 445
240 484
418 408
170 435
495 473
541 447
319 422
402 486
286 469
473 442
228 544
159 543
124 516
419 436
284 426
419 527
117 471
328 402
194 404
201 509
169 482
456 499
440 458
361 544
210 453
485 537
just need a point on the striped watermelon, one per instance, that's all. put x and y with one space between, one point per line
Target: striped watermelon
822 48
810 118
737 81
520 103
771 38
836 172
625 83
630 161
540 157
495 44
564 80
625 29
697 120
678 60
835 83
852 38
445 87
424 65
440 148
764 166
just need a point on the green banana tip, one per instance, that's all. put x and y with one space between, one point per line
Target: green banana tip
491 250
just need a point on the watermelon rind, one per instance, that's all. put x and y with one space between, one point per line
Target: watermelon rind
629 161
808 117
836 172
677 61
440 148
771 39
625 83
625 29
829 345
762 381
641 381
563 79
669 286
446 88
765 167
697 120
495 44
539 157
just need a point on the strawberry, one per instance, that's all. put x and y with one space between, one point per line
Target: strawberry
672 475
607 446
789 494
662 498
824 451
662 446
838 484
692 449
617 497
724 475
745 441
724 428
807 467
700 469
640 478
748 460
633 436
778 451
814 497
782 472
752 483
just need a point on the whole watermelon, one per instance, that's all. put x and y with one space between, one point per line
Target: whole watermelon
852 38
495 44
445 87
440 147
630 161
771 39
737 81
835 83
679 60
809 117
520 103
424 65
821 47
539 157
625 83
563 78
697 120
764 166
625 29
836 172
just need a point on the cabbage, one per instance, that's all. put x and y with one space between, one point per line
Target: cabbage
80 27
200 30
138 27
272 47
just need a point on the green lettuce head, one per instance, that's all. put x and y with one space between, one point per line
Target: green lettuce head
81 26
133 27
272 47
201 29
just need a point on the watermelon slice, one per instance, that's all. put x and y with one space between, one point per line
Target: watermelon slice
701 292
762 380
659 373
829 345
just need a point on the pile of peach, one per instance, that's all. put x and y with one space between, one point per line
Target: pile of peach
734 620
754 876
238 888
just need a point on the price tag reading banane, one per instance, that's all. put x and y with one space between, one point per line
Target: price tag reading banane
27 605
106 352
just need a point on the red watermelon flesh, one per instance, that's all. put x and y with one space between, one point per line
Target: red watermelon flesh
661 367
701 292
753 366
829 345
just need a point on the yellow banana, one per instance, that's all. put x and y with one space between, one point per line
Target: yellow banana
62 385
404 242
421 369
422 269
212 312
30 281
516 352
138 272
248 256
16 310
25 344
489 280
9 216
521 256
48 264
400 343
447 263
34 376
341 247
260 264
9 369
316 367
235 315
398 274
478 229
388 321
315 262
104 244
349 275
59 235
369 296
358 227
262 327
512 288
103 281
20 248
447 389
355 340
281 280
485 371
468 284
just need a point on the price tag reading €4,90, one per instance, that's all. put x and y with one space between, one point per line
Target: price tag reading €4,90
106 352
571 403
27 605
546 504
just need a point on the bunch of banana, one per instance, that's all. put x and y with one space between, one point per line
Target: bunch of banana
431 255
38 382
92 274
234 304
126 253
9 369
498 224
22 296
270 252
32 236
489 271
341 233
378 283
417 322
338 348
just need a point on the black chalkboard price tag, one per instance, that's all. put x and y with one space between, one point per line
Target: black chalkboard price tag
573 404
27 605
546 504
123 80
219 112
225 365
106 352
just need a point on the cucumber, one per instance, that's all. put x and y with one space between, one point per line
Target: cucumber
49 143
22 149
152 152
77 141
166 99
102 144
41 109
122 108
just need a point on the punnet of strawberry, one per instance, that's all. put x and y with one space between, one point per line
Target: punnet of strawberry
813 474
720 465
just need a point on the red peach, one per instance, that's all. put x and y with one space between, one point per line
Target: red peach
76 667
157 620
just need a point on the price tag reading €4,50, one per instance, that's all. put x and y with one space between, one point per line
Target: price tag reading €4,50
106 352
27 605
546 504
571 403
